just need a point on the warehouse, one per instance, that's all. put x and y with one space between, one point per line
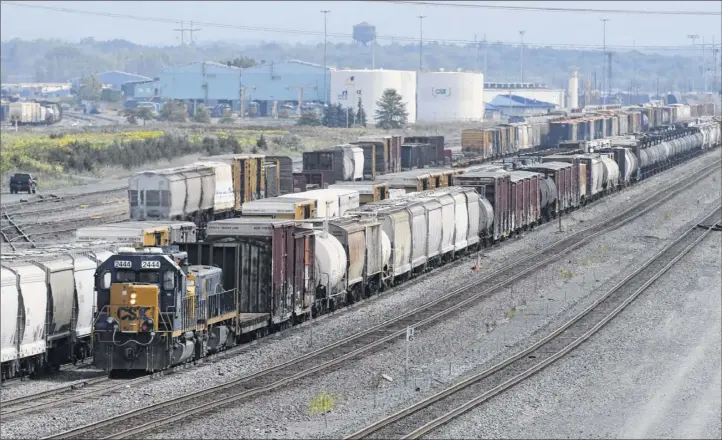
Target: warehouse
531 91
202 82
347 86
114 79
450 96
514 105
141 90
275 87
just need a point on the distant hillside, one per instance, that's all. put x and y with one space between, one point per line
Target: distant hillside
54 60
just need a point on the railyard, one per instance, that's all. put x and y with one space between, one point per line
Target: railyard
426 374
229 239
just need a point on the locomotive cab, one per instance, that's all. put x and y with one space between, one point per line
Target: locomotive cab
139 303
155 311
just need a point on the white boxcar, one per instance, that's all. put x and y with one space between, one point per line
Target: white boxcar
450 96
61 285
34 293
347 86
84 273
9 313
224 198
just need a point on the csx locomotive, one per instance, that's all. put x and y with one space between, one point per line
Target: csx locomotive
155 310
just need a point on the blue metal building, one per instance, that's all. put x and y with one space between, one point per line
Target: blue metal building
115 78
284 80
203 81
141 90
513 105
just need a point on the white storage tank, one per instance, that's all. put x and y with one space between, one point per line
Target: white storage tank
347 86
450 96
329 261
573 91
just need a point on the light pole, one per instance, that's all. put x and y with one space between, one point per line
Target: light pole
325 68
693 38
521 57
604 57
421 41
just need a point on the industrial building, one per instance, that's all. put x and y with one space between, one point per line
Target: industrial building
537 92
202 82
267 88
141 90
114 79
347 86
449 96
288 83
515 105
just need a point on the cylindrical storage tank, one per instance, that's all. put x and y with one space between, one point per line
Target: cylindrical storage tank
573 90
347 86
450 96
329 261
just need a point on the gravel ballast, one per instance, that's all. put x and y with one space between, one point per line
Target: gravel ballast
653 372
470 341
285 414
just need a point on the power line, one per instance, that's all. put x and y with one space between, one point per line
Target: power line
551 9
338 34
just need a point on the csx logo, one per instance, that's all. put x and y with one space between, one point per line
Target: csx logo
445 92
133 313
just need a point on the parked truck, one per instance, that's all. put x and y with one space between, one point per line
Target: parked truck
22 182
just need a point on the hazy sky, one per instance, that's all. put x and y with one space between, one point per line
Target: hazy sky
390 19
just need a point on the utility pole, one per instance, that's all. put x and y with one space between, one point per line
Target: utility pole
421 41
191 30
604 57
325 65
716 85
521 56
693 38
486 53
609 67
182 31
476 55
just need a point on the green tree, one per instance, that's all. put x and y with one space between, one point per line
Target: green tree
89 88
242 62
360 113
226 119
202 116
174 111
391 111
261 143
144 113
131 116
309 119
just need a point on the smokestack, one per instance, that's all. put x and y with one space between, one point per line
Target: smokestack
573 90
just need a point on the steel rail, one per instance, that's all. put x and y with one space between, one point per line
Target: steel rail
493 381
122 426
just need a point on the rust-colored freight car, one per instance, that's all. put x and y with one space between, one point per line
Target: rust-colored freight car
268 261
530 213
494 186
566 179
391 149
435 147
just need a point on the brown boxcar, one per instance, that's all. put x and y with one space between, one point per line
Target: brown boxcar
435 151
268 261
532 204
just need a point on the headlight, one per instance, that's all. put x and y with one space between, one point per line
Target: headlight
109 320
132 295
132 302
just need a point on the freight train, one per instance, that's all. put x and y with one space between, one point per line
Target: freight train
162 307
30 113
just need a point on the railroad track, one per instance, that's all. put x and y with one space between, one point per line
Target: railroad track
50 198
12 232
154 417
94 387
422 418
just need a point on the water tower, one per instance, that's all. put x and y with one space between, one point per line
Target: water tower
364 33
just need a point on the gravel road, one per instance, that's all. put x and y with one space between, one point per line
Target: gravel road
654 372
440 354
